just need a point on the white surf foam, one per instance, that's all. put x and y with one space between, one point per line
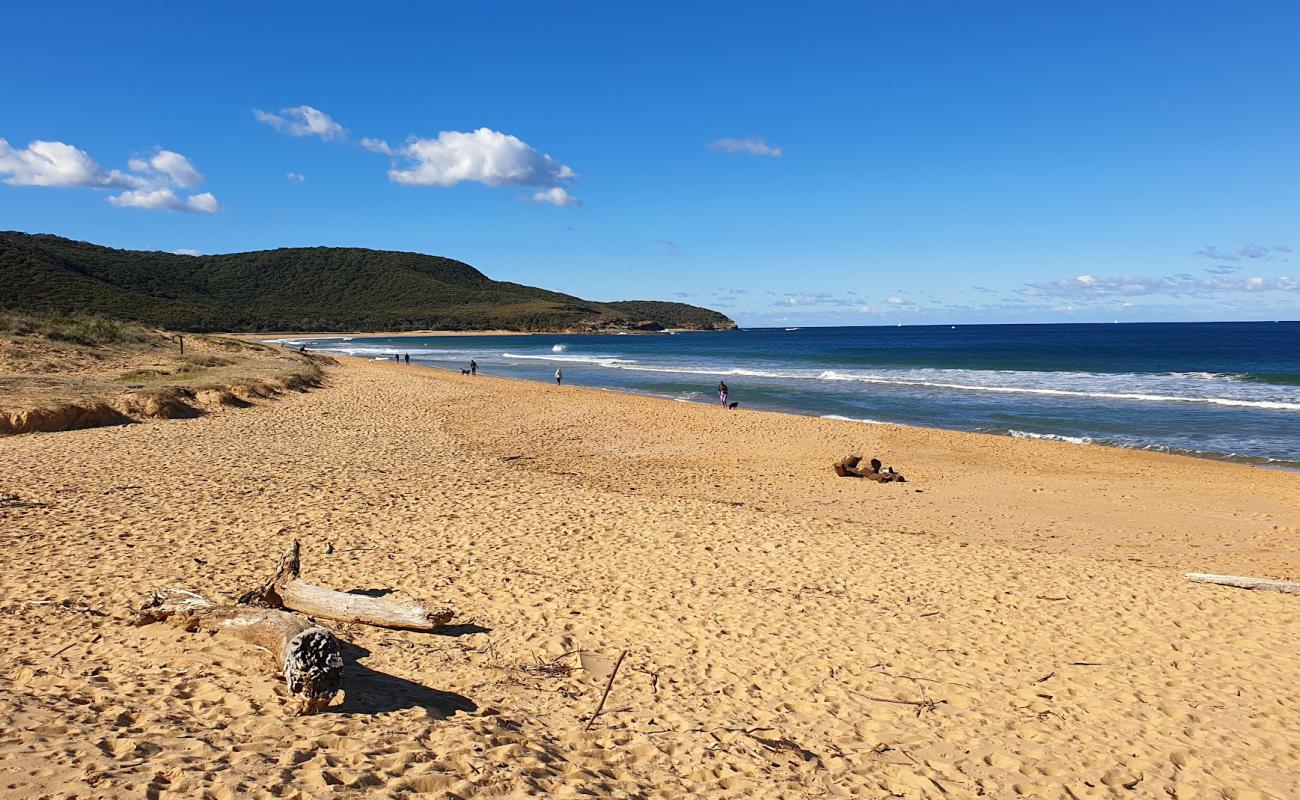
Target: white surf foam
831 375
1015 434
863 420
602 361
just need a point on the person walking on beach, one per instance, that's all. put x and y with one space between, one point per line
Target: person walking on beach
722 392
407 357
473 367
559 378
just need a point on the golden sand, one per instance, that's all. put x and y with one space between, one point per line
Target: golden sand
1012 622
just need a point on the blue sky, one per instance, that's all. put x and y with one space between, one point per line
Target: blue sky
864 163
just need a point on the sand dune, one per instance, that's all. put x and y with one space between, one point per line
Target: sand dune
789 634
67 373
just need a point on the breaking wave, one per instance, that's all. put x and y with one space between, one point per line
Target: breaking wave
1176 387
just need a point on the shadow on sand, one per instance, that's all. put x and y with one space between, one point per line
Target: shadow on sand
371 592
465 629
369 691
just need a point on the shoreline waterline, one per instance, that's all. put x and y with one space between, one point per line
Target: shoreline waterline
1227 392
546 379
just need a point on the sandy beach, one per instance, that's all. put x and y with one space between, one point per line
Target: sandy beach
1011 622
271 336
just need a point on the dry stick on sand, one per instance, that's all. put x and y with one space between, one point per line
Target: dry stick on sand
608 685
71 645
1289 587
308 655
285 589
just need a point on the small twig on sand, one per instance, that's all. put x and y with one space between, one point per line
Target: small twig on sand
64 649
918 678
920 705
60 606
8 500
550 668
71 645
608 685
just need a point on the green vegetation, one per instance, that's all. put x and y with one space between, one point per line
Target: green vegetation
90 331
682 315
300 289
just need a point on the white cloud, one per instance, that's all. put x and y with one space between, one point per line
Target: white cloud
1247 250
482 156
147 198
556 196
815 299
55 164
166 198
204 203
378 146
176 167
897 301
150 184
1088 287
1223 269
302 121
752 145
185 251
295 177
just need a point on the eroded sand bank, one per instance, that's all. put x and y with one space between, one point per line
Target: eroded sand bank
788 633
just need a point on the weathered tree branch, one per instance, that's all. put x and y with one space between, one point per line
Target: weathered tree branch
285 589
308 655
1288 587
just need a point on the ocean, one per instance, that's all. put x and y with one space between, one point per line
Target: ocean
1221 390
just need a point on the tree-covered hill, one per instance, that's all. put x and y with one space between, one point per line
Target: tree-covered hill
302 289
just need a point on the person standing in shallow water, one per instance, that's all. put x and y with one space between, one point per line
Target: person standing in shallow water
722 392
407 357
473 367
559 378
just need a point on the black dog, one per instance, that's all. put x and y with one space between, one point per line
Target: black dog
464 372
733 406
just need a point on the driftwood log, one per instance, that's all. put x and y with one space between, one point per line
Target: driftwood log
847 467
308 655
1289 587
285 589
